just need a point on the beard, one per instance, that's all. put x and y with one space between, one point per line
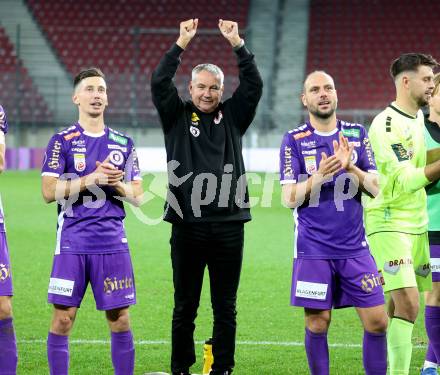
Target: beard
421 102
322 115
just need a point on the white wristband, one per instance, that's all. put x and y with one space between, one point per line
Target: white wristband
2 138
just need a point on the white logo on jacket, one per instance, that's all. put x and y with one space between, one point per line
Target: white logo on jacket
194 131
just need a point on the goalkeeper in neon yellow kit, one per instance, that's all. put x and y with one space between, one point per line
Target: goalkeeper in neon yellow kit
397 220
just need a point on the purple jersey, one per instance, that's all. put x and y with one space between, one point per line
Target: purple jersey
3 120
329 225
93 223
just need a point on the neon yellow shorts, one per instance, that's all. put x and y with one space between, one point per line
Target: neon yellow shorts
403 259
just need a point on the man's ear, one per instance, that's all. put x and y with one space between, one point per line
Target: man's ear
75 99
303 100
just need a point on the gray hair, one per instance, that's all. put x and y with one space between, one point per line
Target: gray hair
211 68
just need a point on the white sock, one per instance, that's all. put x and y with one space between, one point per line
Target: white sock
428 364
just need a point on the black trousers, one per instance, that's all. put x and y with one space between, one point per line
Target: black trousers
193 247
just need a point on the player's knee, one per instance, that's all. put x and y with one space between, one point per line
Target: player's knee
378 324
5 308
318 324
62 324
433 298
119 320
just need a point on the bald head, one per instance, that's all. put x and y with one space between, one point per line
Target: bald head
319 95
317 76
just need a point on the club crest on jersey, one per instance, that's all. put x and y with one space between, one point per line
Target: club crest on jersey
218 118
310 162
80 162
116 157
194 131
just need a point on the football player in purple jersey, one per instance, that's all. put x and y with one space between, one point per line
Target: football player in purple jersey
89 169
325 165
8 345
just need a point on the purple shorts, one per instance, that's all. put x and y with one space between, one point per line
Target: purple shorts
434 251
110 275
5 268
326 283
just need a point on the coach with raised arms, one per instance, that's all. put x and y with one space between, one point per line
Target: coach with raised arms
207 201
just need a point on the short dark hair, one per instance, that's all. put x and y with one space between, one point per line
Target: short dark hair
86 73
411 62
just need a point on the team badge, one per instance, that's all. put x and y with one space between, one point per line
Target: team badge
310 162
80 162
194 131
116 157
218 118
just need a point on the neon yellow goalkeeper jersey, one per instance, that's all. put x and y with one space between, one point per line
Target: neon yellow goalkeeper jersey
397 139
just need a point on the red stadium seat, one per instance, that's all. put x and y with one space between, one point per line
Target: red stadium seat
81 39
18 94
357 46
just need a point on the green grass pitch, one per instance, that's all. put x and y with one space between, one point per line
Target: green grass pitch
270 332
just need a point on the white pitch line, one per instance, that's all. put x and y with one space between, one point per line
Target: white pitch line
167 342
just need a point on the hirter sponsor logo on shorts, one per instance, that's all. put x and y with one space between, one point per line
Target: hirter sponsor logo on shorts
309 290
393 266
371 281
113 284
61 287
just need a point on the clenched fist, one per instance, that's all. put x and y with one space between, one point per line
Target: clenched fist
229 30
188 29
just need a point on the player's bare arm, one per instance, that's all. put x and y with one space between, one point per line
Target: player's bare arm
229 30
296 194
131 192
432 171
55 189
432 155
188 29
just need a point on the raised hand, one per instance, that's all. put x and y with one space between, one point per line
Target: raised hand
343 151
328 166
229 30
188 29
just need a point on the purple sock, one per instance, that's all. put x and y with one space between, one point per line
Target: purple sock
58 354
8 345
317 352
432 324
430 355
375 353
123 353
